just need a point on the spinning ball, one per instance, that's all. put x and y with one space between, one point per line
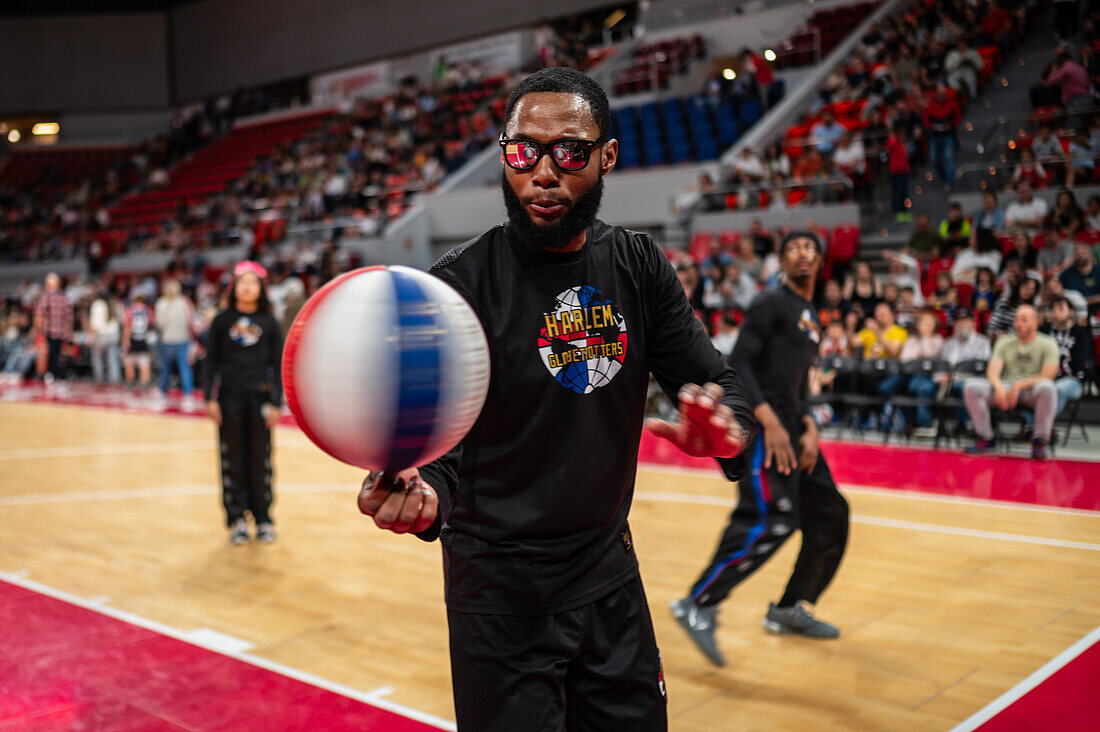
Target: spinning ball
386 368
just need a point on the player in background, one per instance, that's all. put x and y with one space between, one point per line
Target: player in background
243 394
136 349
790 485
548 620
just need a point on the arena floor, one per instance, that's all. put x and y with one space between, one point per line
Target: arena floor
969 598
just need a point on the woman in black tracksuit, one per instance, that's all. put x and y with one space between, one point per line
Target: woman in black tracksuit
243 394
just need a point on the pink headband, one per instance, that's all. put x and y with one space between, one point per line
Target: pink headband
246 267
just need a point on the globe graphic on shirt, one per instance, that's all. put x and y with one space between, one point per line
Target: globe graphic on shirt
582 339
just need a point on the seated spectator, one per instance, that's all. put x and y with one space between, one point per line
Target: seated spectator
1092 213
1023 293
748 163
737 287
891 295
776 163
944 297
832 306
985 290
926 343
1027 210
1021 373
1056 256
825 134
991 216
748 260
828 185
1054 289
881 336
834 342
924 243
1075 86
807 166
1030 170
725 336
762 243
850 157
906 306
904 271
955 230
1022 253
984 251
1048 150
1083 276
1077 360
1068 217
746 190
966 343
963 64
1082 160
862 287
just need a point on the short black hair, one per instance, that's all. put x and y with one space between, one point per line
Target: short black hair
564 80
791 236
1058 299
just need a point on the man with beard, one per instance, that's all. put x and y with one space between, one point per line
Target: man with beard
548 621
791 486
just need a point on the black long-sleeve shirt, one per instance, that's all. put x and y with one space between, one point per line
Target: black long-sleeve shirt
534 501
775 349
243 354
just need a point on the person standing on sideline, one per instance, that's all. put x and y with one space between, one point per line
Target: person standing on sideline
791 486
549 625
1020 373
53 320
173 314
243 396
136 351
106 336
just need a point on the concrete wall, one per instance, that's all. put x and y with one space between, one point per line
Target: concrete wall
828 216
83 62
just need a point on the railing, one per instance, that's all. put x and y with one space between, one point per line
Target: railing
762 190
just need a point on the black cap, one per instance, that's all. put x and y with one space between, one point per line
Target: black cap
963 313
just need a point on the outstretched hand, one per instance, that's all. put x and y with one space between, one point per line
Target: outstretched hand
399 502
707 428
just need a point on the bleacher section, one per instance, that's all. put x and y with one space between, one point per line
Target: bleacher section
209 171
50 171
655 63
679 130
823 32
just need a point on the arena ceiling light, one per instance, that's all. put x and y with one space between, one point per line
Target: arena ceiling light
729 74
14 136
769 54
45 128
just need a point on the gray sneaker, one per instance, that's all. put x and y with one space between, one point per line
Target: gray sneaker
699 623
265 533
238 532
797 620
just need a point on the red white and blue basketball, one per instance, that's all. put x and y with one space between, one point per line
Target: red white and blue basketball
386 368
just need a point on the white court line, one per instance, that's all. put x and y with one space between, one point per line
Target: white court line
33 453
1048 669
890 523
896 492
373 698
206 490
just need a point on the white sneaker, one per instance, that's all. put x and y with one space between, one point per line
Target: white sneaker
238 532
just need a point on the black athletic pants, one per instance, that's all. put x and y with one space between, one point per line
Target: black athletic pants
245 443
53 357
594 669
771 506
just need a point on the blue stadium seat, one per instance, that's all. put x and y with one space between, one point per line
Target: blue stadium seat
680 151
654 153
728 132
706 148
750 112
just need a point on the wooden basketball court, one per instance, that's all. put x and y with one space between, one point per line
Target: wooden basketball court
944 604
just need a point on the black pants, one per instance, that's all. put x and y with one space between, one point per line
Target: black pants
770 508
1065 20
53 361
245 443
594 668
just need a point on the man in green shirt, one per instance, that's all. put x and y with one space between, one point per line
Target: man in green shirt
1020 373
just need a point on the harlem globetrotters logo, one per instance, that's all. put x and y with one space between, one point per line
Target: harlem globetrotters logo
583 340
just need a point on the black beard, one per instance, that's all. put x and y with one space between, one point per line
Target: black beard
554 236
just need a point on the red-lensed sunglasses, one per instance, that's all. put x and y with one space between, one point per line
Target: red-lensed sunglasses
568 154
